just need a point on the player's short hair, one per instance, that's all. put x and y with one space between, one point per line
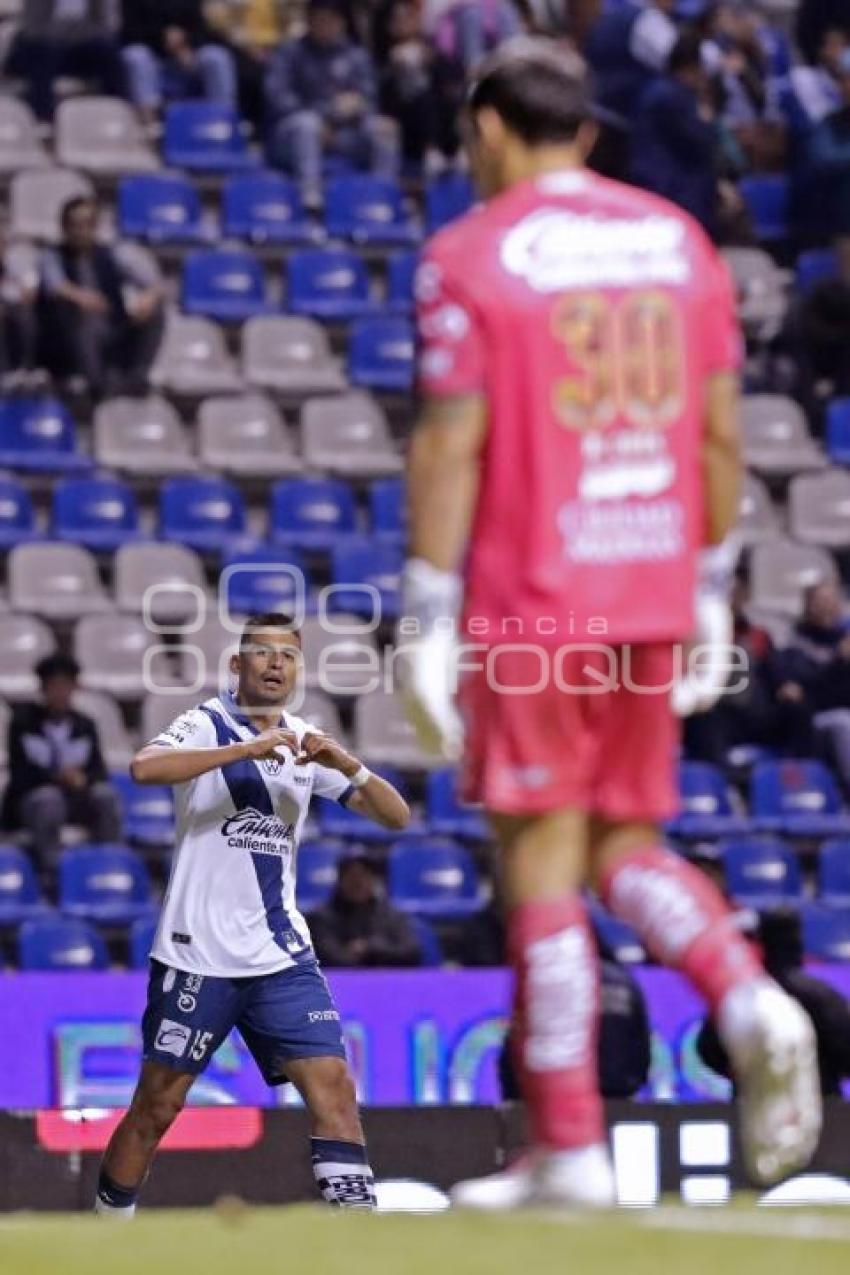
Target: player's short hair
538 88
267 620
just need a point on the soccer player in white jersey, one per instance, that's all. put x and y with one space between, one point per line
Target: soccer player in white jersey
231 949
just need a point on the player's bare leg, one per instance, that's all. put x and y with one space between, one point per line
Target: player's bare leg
159 1098
553 953
685 923
337 1143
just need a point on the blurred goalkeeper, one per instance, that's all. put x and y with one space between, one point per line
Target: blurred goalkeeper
577 459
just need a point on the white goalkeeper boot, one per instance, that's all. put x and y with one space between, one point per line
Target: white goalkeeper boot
772 1046
544 1179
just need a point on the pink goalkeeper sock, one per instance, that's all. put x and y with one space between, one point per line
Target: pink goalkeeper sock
557 1006
683 919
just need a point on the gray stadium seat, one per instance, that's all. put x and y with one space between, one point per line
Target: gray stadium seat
142 436
214 645
290 356
20 145
36 199
246 435
111 656
761 290
102 135
24 640
781 570
321 712
776 436
758 520
115 743
158 711
59 581
193 359
348 435
384 736
819 508
339 663
175 573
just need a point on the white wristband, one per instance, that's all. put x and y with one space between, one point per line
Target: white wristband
360 777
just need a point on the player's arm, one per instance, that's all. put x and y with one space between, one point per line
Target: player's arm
163 763
337 770
442 477
721 456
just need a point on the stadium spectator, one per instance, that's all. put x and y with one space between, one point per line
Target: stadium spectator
56 771
817 337
358 927
779 934
676 140
754 59
66 37
170 52
251 30
767 712
829 154
102 321
322 94
813 94
814 19
419 86
465 30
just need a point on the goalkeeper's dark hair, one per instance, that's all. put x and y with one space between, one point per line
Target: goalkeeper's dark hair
538 88
267 620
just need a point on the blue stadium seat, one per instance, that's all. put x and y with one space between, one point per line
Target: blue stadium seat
329 283
826 933
380 354
148 811
20 897
336 820
799 798
229 286
311 513
813 266
162 209
262 578
447 197
838 431
17 517
39 434
705 811
434 878
141 941
266 208
103 883
429 942
60 944
401 278
447 816
766 197
98 513
761 871
318 862
834 872
388 509
368 210
203 137
360 564
621 941
203 513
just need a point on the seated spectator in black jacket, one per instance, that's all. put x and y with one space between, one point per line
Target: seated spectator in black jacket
780 937
66 37
814 670
419 86
100 321
171 53
675 144
358 927
56 771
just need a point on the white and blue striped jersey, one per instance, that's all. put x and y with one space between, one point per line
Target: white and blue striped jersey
229 909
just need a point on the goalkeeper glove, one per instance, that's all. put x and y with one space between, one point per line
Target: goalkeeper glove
432 598
700 688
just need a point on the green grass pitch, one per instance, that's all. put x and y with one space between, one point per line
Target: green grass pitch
232 1240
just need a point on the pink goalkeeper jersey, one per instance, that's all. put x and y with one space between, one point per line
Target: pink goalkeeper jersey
589 315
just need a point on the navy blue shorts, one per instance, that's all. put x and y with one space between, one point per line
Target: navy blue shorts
281 1016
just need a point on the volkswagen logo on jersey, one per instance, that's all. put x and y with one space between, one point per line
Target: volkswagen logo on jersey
250 829
273 765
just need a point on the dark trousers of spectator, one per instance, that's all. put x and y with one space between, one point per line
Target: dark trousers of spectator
110 353
44 811
428 121
787 726
42 61
17 337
